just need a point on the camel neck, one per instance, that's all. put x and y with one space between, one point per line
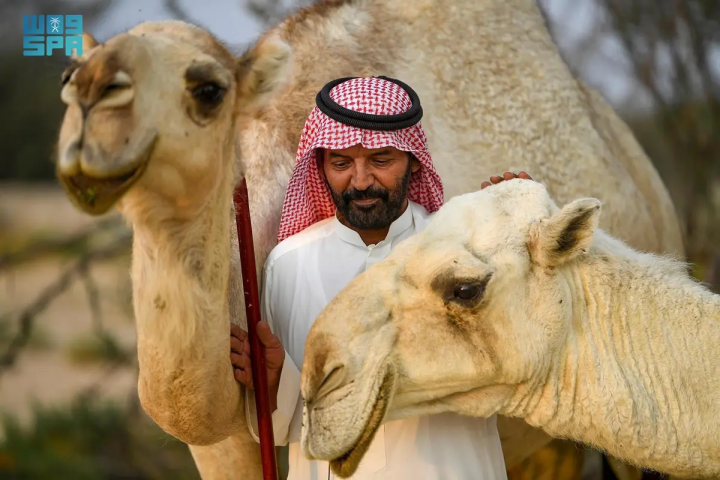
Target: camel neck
181 275
638 364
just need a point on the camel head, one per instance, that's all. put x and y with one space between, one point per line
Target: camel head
462 317
151 113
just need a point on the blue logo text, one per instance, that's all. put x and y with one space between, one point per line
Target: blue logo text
43 34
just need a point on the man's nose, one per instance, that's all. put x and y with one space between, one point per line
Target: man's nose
363 178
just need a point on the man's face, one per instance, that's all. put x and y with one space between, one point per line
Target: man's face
368 186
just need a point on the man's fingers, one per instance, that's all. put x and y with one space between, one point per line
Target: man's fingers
237 360
505 176
236 345
244 377
246 363
242 369
246 367
238 332
266 336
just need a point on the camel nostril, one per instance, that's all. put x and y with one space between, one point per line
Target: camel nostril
332 380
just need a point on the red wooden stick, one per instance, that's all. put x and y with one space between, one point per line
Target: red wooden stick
257 350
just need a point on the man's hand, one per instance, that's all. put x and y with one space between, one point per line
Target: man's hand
240 358
506 176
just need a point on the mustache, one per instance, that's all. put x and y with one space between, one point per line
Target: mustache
369 193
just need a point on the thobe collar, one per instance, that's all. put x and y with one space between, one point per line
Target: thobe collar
402 223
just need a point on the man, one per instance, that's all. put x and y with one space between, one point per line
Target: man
363 182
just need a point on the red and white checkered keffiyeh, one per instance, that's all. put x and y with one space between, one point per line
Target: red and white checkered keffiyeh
308 199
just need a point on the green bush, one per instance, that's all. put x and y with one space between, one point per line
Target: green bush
40 338
91 440
91 349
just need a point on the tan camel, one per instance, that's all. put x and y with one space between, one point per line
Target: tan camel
162 121
507 304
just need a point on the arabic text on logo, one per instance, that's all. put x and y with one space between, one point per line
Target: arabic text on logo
44 34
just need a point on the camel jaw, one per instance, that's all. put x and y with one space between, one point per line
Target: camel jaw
347 464
95 196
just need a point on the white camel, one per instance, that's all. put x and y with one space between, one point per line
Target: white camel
162 121
507 304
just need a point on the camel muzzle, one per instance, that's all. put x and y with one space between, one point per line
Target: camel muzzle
343 439
94 195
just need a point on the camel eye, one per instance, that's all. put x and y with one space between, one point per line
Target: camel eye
209 94
468 292
115 88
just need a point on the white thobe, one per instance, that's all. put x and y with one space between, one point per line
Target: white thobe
301 275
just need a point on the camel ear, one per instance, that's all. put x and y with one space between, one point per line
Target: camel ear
262 72
565 235
88 43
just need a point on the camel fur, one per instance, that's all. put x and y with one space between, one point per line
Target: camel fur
508 304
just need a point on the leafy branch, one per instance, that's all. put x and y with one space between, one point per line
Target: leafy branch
79 270
57 245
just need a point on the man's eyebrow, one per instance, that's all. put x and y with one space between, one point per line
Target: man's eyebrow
381 152
337 155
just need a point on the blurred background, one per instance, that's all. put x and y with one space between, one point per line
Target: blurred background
68 399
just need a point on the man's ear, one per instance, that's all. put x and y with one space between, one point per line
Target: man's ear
262 71
565 235
415 163
320 160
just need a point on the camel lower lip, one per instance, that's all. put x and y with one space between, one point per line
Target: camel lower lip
338 465
346 465
97 195
100 187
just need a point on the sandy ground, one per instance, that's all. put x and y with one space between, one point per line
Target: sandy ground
47 375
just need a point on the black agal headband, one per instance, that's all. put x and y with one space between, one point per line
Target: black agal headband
366 120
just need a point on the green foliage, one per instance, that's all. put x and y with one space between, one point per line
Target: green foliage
45 241
91 440
40 339
92 349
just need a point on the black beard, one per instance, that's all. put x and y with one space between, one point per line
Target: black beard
378 215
